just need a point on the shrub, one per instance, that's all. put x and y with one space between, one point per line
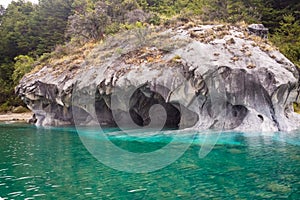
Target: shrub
23 65
5 107
20 109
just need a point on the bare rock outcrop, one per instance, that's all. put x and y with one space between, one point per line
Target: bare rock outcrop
204 77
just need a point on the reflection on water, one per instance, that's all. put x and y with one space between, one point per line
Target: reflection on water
54 164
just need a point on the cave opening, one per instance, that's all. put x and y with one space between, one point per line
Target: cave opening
140 104
143 100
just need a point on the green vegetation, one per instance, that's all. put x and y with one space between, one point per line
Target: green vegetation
27 29
22 66
287 38
29 32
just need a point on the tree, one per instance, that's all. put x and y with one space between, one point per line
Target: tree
287 38
274 10
16 31
93 19
18 36
89 23
51 21
2 11
6 91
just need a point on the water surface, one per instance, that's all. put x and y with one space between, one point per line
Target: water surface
54 164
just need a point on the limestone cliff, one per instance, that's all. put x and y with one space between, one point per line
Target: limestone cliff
204 77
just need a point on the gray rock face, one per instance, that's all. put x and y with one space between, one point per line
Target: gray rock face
258 30
204 77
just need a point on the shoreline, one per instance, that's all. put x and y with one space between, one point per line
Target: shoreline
16 117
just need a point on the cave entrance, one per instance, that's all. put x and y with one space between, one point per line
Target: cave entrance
142 100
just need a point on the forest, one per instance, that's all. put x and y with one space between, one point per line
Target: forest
30 32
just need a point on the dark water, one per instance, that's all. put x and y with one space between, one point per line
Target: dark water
54 164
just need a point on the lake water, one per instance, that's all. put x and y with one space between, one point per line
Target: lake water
54 164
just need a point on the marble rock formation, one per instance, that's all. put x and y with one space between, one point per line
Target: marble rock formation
201 77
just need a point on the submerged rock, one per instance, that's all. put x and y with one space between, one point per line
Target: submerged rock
204 77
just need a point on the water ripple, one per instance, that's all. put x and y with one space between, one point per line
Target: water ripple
53 164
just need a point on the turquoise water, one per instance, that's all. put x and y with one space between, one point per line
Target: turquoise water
54 164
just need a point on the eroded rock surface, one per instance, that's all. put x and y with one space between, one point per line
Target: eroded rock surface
204 77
